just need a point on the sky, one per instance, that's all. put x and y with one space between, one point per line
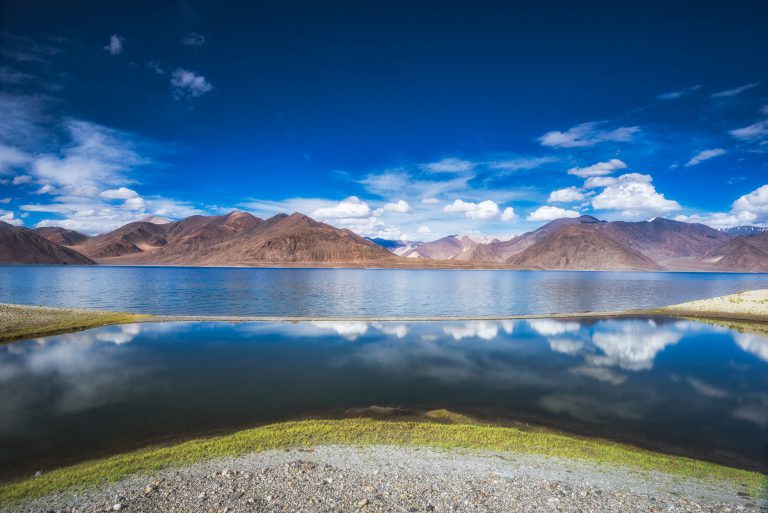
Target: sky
396 119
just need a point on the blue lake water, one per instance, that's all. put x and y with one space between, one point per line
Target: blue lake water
356 292
673 385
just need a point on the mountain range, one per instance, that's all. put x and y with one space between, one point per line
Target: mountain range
241 239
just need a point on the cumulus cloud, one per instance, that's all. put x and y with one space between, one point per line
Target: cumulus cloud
551 327
399 206
728 93
115 45
429 201
508 214
424 229
351 207
484 210
188 84
705 155
633 195
449 165
123 193
756 202
674 95
633 346
599 169
550 213
588 134
567 195
193 39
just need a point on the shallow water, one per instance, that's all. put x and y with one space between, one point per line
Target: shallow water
678 386
357 292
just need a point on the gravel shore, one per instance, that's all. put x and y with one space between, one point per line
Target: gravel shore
401 479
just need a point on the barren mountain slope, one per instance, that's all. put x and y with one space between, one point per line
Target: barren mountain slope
20 245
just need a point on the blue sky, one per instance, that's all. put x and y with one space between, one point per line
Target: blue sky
394 119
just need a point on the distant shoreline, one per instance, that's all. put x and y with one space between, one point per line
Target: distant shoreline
426 265
23 321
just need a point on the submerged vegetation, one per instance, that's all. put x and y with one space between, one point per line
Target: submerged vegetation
437 429
22 321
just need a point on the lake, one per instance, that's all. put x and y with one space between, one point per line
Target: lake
674 385
357 292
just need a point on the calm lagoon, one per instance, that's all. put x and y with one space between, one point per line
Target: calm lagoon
673 385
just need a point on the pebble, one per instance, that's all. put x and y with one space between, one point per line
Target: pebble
398 479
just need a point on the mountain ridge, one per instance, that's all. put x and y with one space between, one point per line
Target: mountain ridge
239 238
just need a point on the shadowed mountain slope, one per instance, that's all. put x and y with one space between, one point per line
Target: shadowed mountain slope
20 245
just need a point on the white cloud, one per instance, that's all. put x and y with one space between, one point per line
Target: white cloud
755 202
735 91
21 180
450 165
188 84
752 132
587 134
424 229
550 213
46 189
115 45
484 210
508 214
595 182
521 163
567 195
5 201
399 206
599 169
351 207
9 217
705 155
97 155
193 39
429 201
674 95
633 195
719 220
11 158
123 193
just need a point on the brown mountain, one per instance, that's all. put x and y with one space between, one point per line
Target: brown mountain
234 239
61 235
666 241
580 246
743 253
501 251
130 239
20 245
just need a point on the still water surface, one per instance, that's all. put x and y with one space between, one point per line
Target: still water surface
673 385
356 292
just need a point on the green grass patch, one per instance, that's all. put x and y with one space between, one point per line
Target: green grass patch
449 432
21 321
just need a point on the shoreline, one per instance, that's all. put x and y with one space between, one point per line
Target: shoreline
434 430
